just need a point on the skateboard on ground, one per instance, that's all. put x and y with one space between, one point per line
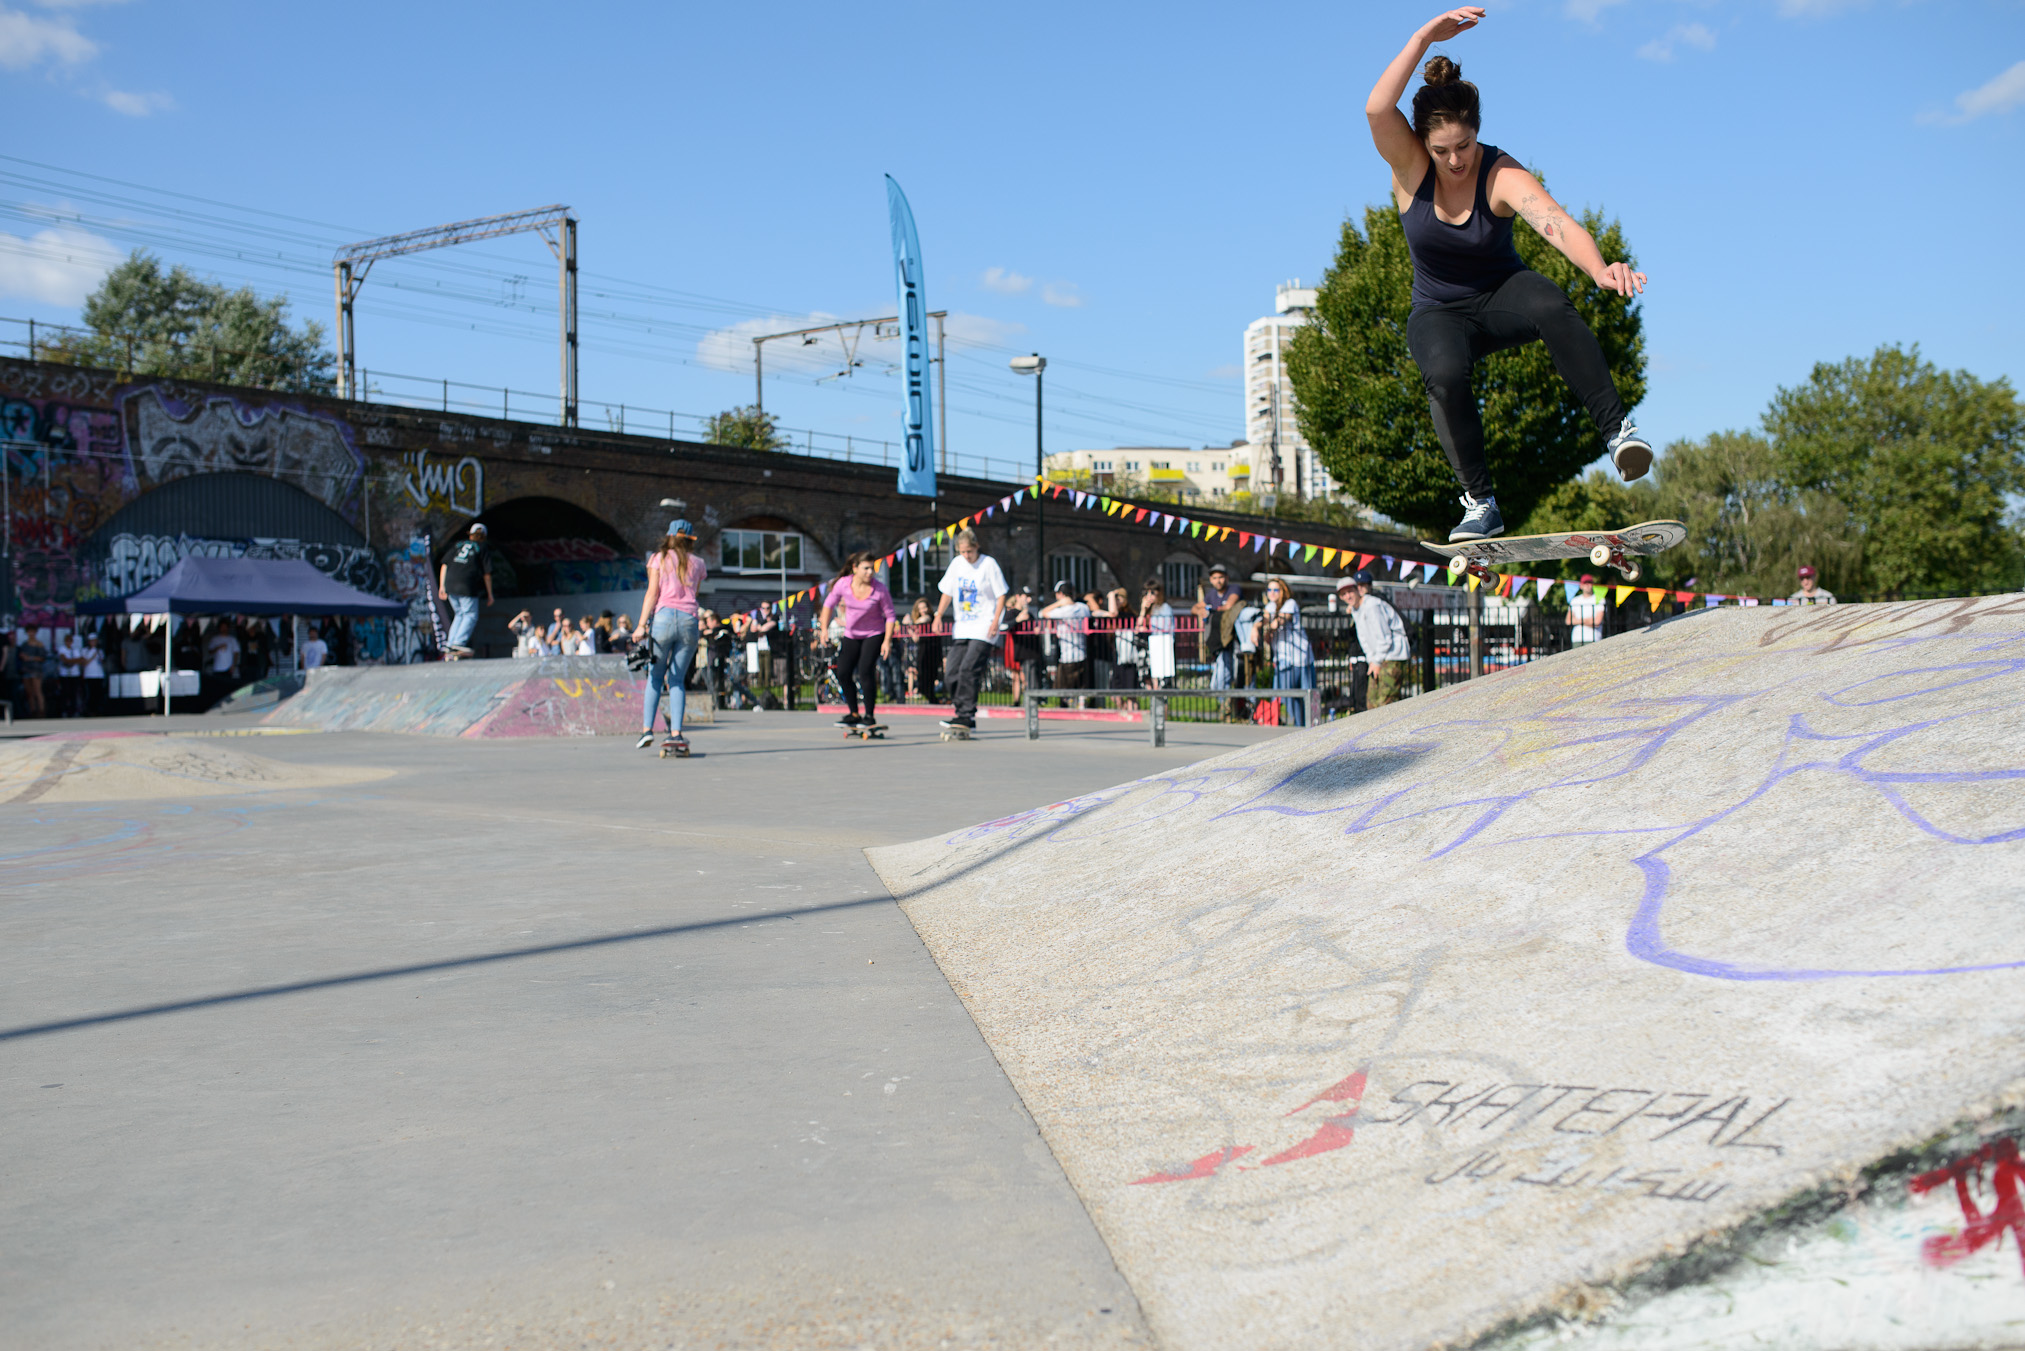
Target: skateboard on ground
1620 549
956 734
674 745
867 731
459 654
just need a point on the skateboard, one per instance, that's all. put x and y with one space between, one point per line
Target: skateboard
674 745
1620 549
459 654
956 734
867 731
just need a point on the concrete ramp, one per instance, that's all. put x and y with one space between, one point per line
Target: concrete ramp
550 696
1681 967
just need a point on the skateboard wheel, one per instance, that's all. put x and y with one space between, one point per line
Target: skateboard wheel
1600 555
1630 571
1456 562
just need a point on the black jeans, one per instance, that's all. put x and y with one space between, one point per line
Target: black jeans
1448 340
857 669
969 658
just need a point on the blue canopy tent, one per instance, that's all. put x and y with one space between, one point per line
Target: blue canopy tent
241 586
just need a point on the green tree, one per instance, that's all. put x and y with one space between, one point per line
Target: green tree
171 323
1364 409
1595 502
1749 526
746 426
1924 460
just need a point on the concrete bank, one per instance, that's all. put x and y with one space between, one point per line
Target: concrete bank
547 696
1689 960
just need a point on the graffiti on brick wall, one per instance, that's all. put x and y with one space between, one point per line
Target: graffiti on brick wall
435 484
65 472
313 451
134 561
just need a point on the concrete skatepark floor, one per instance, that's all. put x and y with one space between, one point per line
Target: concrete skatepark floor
522 1043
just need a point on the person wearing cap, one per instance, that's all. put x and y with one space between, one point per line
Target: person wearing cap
668 624
1585 613
457 582
1810 592
1381 634
1071 619
1215 600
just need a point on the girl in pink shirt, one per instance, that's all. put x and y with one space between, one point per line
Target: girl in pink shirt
869 621
668 622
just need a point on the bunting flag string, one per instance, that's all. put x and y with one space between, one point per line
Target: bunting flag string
1508 585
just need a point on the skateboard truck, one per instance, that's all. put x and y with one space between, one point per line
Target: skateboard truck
1605 555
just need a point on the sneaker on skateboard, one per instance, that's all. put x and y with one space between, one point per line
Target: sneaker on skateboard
1619 548
675 745
866 731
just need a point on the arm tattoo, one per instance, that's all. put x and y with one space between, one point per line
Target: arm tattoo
1541 216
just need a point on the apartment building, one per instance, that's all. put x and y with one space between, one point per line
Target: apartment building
1196 475
1283 461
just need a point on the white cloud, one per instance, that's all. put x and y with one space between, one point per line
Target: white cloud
977 330
1588 11
1232 372
1680 35
1062 294
57 267
136 105
26 40
1005 281
2000 95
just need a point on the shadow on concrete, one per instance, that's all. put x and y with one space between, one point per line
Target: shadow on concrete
421 968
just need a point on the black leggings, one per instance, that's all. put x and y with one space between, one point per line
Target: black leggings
1448 340
857 668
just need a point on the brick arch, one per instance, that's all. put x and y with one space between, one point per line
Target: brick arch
552 546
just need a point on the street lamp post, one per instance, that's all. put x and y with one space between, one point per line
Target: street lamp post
1034 365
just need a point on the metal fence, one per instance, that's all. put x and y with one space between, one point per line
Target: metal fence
1451 634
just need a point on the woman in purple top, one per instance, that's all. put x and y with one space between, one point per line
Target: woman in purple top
869 621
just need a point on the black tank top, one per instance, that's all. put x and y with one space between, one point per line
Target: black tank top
1455 262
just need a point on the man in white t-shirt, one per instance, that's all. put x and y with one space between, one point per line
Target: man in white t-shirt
977 588
314 650
1585 613
222 650
1071 620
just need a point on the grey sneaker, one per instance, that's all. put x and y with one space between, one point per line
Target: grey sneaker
1630 452
646 740
1480 520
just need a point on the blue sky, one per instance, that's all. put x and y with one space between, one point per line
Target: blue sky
1119 187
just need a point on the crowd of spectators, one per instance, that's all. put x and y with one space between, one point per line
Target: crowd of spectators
48 672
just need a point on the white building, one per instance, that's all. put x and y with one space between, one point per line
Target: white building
1195 475
1282 460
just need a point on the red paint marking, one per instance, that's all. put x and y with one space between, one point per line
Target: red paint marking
1350 1090
1979 1230
1334 1133
1206 1166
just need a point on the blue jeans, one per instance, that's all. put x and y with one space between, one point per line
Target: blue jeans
1223 668
674 650
463 619
1294 712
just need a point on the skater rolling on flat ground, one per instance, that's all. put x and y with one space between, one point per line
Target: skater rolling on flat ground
668 621
1472 296
869 621
976 586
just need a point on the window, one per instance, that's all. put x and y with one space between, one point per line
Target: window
1131 465
759 551
1180 576
1103 466
920 575
1157 464
1195 466
1078 570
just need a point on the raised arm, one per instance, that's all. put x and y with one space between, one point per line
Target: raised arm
1390 131
1513 190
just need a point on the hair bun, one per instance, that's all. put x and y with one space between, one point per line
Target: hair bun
1439 70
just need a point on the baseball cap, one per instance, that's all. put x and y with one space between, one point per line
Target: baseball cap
1588 577
1215 568
478 528
1062 588
1345 583
1806 571
1362 577
680 526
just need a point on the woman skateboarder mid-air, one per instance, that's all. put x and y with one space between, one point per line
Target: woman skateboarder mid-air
1471 294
